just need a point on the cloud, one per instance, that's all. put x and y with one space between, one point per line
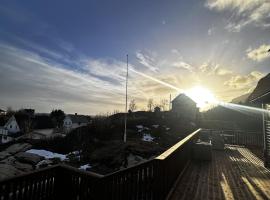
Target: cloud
182 65
147 59
259 54
244 81
214 69
243 12
211 31
29 80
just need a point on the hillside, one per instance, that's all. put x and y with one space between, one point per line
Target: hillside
241 99
262 87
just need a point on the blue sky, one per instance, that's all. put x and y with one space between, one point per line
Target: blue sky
71 54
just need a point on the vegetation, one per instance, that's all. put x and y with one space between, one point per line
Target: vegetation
57 117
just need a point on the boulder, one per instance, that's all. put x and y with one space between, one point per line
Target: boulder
18 165
23 166
19 147
8 171
29 158
44 163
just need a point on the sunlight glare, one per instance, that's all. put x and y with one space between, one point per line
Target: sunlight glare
202 96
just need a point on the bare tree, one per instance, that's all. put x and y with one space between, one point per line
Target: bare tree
132 105
150 104
163 104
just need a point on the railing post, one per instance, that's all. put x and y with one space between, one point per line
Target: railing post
63 184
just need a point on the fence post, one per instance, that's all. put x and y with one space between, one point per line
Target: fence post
63 183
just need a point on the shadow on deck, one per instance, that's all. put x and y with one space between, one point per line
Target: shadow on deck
235 173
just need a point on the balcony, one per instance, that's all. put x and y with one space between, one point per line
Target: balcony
234 173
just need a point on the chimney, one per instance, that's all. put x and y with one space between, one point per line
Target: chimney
75 113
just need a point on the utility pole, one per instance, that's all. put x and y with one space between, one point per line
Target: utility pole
125 132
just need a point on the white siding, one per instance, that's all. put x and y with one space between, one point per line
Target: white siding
12 126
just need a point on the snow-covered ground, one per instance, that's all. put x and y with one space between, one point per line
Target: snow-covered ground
85 167
47 154
155 126
147 137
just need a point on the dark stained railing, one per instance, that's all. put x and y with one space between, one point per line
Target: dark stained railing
239 137
151 180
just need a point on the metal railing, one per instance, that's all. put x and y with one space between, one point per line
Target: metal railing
151 180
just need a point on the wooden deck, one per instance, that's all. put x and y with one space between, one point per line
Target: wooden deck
235 173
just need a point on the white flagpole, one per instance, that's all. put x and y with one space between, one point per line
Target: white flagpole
125 133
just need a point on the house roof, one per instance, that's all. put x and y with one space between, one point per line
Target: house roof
183 97
261 93
78 118
262 98
4 120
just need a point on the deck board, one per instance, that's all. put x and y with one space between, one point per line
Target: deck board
235 173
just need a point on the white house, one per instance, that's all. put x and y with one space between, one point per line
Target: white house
10 126
2 112
7 128
74 121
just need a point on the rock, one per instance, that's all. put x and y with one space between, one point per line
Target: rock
9 160
19 147
8 171
44 163
18 165
29 158
4 155
23 166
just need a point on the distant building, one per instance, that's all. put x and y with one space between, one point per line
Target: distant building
2 112
75 121
184 107
9 127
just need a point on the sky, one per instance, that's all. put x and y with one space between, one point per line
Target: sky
71 55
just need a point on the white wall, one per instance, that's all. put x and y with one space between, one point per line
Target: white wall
12 126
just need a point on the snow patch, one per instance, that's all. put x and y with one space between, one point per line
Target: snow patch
47 154
85 167
147 137
155 126
139 126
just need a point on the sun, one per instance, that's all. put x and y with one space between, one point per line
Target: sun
202 96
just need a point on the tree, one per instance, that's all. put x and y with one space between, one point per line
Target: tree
163 104
150 104
10 111
57 117
132 105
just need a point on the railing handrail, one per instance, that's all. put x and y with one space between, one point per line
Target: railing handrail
177 145
232 130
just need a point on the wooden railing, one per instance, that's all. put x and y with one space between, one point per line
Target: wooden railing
239 137
151 180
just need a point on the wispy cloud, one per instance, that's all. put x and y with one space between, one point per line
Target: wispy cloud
214 69
259 54
244 81
147 59
45 84
243 12
183 65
